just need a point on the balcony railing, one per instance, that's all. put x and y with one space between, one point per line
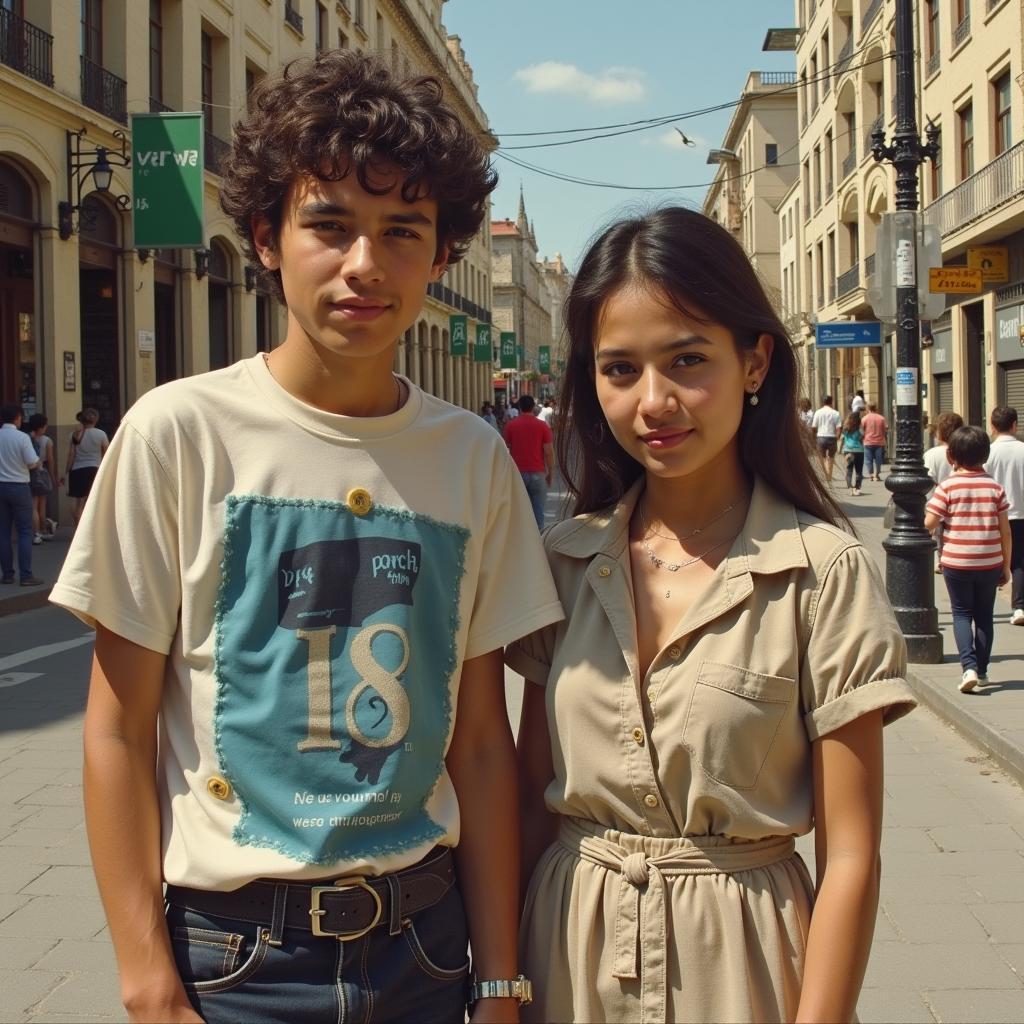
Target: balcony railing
849 162
293 18
843 60
776 77
215 149
984 191
438 291
875 125
869 265
848 280
932 64
26 48
962 31
104 91
869 15
156 107
831 289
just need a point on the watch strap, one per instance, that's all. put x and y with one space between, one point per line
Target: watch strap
519 988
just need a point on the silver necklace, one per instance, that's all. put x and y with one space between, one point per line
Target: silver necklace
684 536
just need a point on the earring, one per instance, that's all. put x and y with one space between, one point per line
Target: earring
754 400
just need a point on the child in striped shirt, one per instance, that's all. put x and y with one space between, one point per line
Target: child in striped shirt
971 509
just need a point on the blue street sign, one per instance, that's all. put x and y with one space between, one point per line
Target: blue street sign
848 334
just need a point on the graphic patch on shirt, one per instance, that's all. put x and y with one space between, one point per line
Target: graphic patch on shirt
336 645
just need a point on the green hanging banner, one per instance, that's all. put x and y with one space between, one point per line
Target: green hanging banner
458 328
482 349
544 358
508 350
167 181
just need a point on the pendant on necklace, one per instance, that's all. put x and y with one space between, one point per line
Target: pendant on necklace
668 593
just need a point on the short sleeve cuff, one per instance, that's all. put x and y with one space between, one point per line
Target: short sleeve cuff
537 618
526 665
892 695
81 606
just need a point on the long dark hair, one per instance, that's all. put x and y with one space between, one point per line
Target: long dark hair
696 263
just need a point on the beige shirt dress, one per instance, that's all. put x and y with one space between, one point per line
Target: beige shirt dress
673 892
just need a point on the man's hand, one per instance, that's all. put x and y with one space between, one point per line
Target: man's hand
1004 576
167 1011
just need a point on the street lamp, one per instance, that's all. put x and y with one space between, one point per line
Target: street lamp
909 548
83 165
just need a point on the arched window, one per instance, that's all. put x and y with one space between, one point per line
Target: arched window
15 194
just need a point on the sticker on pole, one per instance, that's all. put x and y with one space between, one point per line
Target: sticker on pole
906 385
905 276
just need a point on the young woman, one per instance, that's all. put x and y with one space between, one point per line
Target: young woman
722 676
86 451
43 482
851 444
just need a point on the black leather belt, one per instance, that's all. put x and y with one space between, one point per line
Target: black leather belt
344 909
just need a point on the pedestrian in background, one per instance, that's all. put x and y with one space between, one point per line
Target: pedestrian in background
971 507
85 453
935 461
43 479
826 423
852 446
531 444
1006 466
875 429
857 403
806 415
17 459
721 680
487 414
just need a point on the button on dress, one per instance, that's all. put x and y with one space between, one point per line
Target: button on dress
673 892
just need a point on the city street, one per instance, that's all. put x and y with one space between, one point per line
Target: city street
949 943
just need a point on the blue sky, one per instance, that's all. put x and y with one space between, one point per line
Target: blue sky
549 65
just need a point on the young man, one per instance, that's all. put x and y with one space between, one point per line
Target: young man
532 446
826 423
1006 466
296 592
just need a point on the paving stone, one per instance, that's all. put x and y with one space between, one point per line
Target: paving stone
14 877
63 880
941 966
36 837
53 757
935 865
91 993
1013 954
74 851
66 817
71 917
14 814
80 955
980 838
23 990
884 930
55 796
22 781
73 1018
25 953
930 812
1003 922
10 903
906 840
936 923
885 1005
983 1007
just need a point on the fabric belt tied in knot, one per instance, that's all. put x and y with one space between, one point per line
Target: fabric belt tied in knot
641 921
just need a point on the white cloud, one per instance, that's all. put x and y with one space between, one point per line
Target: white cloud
613 85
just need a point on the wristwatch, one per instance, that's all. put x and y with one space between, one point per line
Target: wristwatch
520 988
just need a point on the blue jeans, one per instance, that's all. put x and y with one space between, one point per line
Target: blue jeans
972 595
854 465
261 971
16 511
873 458
537 489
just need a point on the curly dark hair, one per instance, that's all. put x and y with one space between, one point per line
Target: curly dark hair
342 111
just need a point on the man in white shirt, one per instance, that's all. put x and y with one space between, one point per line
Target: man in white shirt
546 413
1006 466
17 457
857 403
826 423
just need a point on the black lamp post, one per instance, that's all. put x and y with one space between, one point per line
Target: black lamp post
909 548
97 164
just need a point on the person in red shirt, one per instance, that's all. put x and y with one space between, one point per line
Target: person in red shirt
875 428
531 445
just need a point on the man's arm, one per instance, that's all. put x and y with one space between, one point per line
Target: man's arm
122 816
549 462
482 764
1006 542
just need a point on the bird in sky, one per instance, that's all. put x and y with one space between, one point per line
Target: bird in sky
686 141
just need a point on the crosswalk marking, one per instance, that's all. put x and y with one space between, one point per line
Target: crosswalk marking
43 651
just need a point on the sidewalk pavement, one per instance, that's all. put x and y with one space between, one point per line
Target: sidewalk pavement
992 717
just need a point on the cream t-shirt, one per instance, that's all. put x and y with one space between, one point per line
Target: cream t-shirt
317 582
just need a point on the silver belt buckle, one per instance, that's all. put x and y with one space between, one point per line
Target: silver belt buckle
341 885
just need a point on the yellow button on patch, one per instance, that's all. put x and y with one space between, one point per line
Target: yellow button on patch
218 788
674 653
359 501
651 800
605 570
638 735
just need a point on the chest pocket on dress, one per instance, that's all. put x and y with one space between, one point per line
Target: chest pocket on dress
732 721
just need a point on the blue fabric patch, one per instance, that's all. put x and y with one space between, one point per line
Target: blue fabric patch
335 649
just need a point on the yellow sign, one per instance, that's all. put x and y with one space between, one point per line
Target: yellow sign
960 280
992 260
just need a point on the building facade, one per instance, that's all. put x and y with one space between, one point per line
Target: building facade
558 281
87 320
521 298
756 167
969 75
